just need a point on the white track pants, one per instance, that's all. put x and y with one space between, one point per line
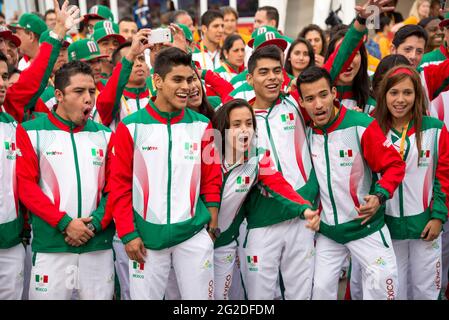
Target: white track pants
419 269
193 265
224 270
286 246
377 259
12 262
121 268
54 276
445 257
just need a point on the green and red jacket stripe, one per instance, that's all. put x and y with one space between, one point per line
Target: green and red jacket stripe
158 155
258 172
11 218
63 174
345 154
424 192
435 79
434 57
109 103
21 97
227 72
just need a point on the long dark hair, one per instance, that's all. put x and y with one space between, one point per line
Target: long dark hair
383 115
360 84
314 27
228 43
288 65
221 121
205 108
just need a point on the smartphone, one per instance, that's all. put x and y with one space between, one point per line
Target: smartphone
160 35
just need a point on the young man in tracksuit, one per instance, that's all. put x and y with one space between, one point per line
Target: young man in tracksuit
160 151
346 148
63 174
280 128
12 252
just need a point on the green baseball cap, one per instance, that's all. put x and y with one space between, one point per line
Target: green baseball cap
188 34
99 12
67 39
31 22
261 30
107 29
445 22
85 50
270 37
5 33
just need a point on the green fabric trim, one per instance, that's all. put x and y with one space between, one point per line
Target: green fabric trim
431 123
353 118
408 227
203 74
51 240
439 208
378 188
162 236
64 222
353 230
98 214
169 156
78 175
130 236
10 233
329 181
310 190
383 239
212 204
240 77
123 79
6 118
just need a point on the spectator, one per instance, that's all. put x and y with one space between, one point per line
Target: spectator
315 35
50 18
127 28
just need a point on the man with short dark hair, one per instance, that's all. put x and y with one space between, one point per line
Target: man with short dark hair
63 179
159 151
410 41
346 148
50 18
266 16
127 28
208 53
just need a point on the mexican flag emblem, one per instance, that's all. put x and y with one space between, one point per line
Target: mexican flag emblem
243 180
191 147
97 153
287 117
41 278
252 259
138 266
425 154
346 153
10 146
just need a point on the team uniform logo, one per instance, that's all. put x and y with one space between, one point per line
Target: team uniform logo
41 282
381 262
98 155
138 270
149 148
207 264
11 150
346 157
252 263
288 121
243 184
190 150
424 158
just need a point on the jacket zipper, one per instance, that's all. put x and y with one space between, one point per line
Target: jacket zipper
169 169
78 176
331 195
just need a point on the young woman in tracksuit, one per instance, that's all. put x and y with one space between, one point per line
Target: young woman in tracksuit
243 167
418 208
